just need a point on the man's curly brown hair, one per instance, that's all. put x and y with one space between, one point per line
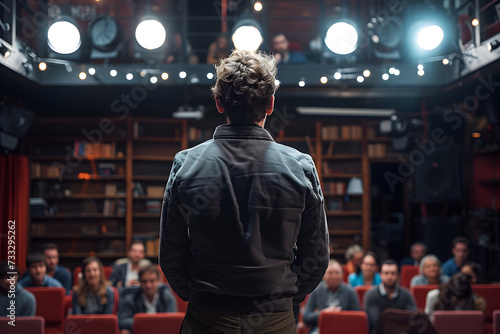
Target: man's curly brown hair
245 84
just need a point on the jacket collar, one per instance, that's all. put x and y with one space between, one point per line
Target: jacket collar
252 131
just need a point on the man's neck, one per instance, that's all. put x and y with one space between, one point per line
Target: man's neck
390 290
134 266
37 283
333 289
51 272
150 298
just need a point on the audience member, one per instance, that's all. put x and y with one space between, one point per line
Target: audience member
218 49
460 251
330 295
127 273
25 303
282 54
417 251
367 272
54 270
430 272
474 270
151 297
387 294
353 256
93 295
454 295
174 53
37 273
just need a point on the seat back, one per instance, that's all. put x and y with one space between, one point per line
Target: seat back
49 304
419 293
407 273
360 291
165 323
23 325
459 322
490 292
116 301
393 321
91 323
496 322
343 322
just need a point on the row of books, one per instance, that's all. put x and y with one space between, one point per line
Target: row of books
199 134
113 207
334 187
86 149
150 191
377 150
44 170
333 132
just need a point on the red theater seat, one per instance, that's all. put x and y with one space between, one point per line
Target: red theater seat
23 325
360 291
490 292
407 273
343 322
91 324
459 322
496 322
393 321
50 306
164 323
419 292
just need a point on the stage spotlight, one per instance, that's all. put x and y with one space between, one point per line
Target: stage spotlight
360 78
247 35
421 73
210 75
150 34
342 38
129 76
446 61
42 66
337 76
63 36
113 73
182 74
277 83
91 71
143 73
82 75
420 67
153 80
323 80
475 22
164 76
392 70
366 73
302 83
385 76
493 45
430 37
257 6
397 72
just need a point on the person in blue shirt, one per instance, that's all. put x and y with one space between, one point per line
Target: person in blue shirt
24 301
37 273
282 54
58 272
460 251
367 273
93 295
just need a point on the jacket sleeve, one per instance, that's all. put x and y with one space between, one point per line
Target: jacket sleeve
175 246
353 301
312 254
116 276
126 312
311 311
372 308
169 300
66 280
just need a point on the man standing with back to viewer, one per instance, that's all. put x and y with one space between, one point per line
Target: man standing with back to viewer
243 228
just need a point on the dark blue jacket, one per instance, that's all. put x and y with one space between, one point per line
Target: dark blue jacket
257 226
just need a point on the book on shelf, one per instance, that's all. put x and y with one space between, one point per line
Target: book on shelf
330 132
378 150
138 190
43 170
106 169
329 150
334 188
86 149
195 134
110 189
153 206
155 191
113 207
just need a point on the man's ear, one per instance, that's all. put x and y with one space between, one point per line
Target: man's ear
270 109
219 107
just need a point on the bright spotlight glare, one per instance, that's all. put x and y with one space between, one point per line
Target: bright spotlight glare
63 37
82 76
360 78
323 80
391 70
247 38
113 73
42 66
182 74
446 61
210 75
430 37
366 73
337 75
91 71
475 22
420 67
397 72
277 83
302 83
420 72
129 76
257 6
164 76
342 38
150 34
385 76
153 80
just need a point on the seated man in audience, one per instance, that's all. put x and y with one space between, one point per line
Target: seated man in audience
282 54
387 294
127 274
417 252
330 295
58 272
24 301
151 297
460 251
37 273
430 272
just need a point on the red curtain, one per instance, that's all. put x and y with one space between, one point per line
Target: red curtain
14 206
